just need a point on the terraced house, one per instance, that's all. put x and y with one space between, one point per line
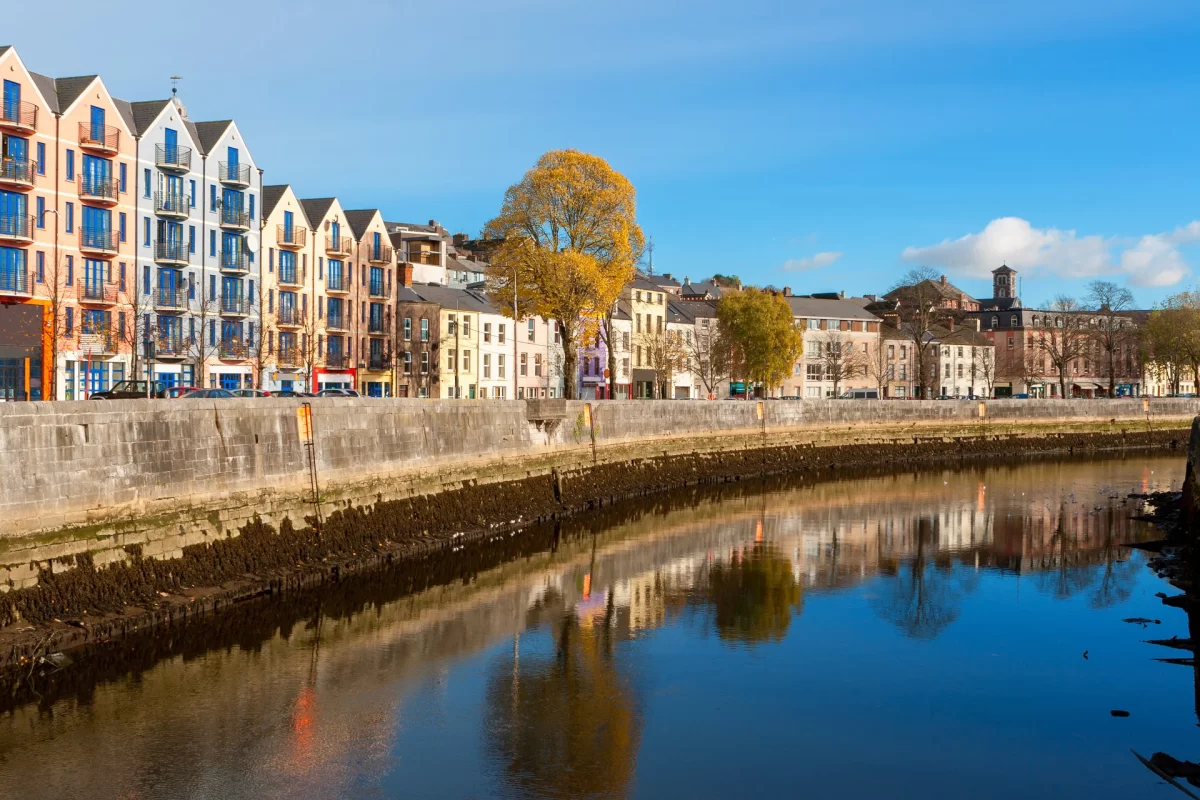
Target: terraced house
288 342
372 267
331 249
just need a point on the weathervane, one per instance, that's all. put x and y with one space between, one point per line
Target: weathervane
175 79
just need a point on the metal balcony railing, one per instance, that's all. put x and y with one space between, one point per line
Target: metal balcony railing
376 363
172 159
380 255
336 282
21 114
97 339
169 347
233 173
289 277
235 261
99 240
430 258
337 360
15 281
235 305
287 356
336 323
17 226
377 289
232 217
289 316
171 204
172 252
16 170
296 236
170 299
102 189
97 292
338 245
233 349
99 137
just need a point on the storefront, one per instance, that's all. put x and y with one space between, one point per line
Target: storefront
22 366
333 379
375 384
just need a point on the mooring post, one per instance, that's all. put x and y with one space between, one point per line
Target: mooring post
304 426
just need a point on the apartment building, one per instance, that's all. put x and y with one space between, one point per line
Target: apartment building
839 339
331 249
288 340
373 264
421 251
539 360
418 335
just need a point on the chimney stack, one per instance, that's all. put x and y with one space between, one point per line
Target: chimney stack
787 291
943 280
950 323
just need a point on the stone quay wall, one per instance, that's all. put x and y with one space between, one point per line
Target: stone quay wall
94 469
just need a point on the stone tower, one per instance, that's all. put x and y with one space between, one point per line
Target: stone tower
1004 283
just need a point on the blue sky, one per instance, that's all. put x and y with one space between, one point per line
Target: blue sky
821 144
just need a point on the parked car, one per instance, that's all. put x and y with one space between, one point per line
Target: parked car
338 393
861 394
180 391
132 390
291 393
251 393
201 394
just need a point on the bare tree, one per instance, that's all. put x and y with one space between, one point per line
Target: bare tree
60 297
710 355
665 354
839 359
877 364
1113 331
206 344
309 353
920 307
1066 338
983 367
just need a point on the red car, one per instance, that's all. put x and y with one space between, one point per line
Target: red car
180 391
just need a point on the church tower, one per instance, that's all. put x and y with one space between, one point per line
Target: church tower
1004 283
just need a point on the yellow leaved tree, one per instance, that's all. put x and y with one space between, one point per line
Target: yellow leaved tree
570 242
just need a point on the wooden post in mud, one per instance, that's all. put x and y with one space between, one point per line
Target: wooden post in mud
304 426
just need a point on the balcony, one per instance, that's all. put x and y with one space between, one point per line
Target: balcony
235 218
100 241
172 159
378 289
338 245
288 357
97 293
431 258
380 256
337 360
235 306
172 253
167 299
234 174
15 281
289 317
98 190
170 347
337 323
336 282
16 228
233 350
292 238
98 340
379 363
19 116
17 173
104 139
289 277
376 327
175 205
235 261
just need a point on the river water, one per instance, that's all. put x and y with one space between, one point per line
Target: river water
950 633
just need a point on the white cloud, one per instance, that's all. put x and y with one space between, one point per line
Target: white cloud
817 261
1153 260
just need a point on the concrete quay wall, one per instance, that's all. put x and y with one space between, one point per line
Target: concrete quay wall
96 469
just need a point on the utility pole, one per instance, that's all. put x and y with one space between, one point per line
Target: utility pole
514 362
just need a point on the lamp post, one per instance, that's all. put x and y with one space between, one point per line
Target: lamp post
515 356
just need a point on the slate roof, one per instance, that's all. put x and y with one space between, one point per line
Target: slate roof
359 219
317 208
692 310
45 85
665 281
144 112
960 335
271 195
209 133
700 289
5 48
814 308
450 297
945 290
69 89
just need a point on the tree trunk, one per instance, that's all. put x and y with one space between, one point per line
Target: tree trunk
570 362
611 383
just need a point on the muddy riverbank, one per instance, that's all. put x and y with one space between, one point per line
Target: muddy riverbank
90 605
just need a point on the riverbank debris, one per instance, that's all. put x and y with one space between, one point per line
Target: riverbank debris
1143 621
1163 765
1118 712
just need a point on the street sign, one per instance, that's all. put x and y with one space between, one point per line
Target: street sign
148 348
304 424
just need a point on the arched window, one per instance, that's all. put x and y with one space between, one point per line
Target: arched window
995 322
1012 321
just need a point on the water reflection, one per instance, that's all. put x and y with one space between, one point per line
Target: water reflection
572 662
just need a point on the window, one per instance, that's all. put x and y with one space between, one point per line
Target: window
408 363
451 360
70 281
212 198
121 179
70 320
121 224
41 158
41 267
1012 321
69 225
523 366
532 338
191 193
251 209
995 322
625 340
191 238
424 363
41 213
121 276
424 329
145 231
487 365
466 327
500 366
70 165
537 364
500 334
466 359
146 183
487 331
212 243
891 351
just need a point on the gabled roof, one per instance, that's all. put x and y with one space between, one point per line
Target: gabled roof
209 133
45 85
69 89
692 310
143 113
271 195
816 308
125 109
699 289
942 288
5 48
359 220
663 281
316 209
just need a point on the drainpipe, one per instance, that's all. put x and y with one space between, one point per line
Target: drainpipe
198 380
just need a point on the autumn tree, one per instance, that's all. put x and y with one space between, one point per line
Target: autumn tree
839 360
1163 341
709 353
754 595
570 243
920 306
666 354
1112 333
1066 338
762 336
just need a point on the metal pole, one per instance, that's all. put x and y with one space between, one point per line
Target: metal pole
457 348
515 356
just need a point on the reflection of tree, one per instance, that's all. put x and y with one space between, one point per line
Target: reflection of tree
754 595
922 598
1066 577
566 727
1117 578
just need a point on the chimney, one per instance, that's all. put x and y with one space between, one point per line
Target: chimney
950 322
433 224
405 274
460 239
943 280
787 291
667 275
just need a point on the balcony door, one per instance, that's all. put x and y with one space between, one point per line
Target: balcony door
97 224
171 145
287 226
13 208
233 160
97 120
96 172
16 149
170 281
95 275
12 100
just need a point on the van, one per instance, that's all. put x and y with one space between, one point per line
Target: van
861 394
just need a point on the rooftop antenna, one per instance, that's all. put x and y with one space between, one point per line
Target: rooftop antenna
175 79
650 254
